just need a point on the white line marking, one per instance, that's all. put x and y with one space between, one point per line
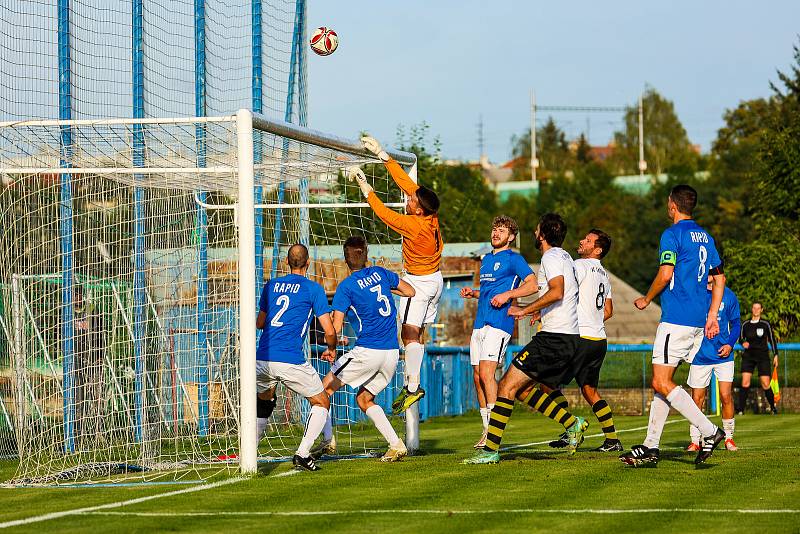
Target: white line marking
454 512
91 509
510 447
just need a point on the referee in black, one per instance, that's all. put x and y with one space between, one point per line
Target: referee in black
757 337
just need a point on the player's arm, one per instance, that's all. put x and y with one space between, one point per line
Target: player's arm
661 280
261 320
331 334
717 290
529 286
554 293
404 289
735 324
405 225
608 310
397 173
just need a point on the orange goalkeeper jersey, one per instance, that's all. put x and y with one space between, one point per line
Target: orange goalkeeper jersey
422 240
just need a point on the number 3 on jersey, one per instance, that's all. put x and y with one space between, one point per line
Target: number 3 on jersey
386 308
283 302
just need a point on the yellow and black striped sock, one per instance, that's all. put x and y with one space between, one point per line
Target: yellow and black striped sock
603 412
543 403
498 420
559 398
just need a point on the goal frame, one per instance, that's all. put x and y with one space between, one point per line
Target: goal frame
246 124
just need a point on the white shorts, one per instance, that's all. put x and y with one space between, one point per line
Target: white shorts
421 309
301 378
488 343
371 369
700 375
676 343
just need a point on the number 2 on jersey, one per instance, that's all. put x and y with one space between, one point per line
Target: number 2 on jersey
386 309
283 302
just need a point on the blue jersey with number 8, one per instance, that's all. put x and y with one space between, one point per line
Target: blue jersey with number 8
367 293
289 302
691 250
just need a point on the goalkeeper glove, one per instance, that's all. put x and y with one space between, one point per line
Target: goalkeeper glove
355 173
372 144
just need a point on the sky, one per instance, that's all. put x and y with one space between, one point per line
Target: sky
449 63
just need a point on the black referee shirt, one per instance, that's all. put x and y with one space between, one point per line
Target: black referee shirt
759 335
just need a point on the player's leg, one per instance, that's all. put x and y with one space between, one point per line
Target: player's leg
416 312
304 380
728 421
698 380
513 380
593 353
265 396
475 348
384 364
327 445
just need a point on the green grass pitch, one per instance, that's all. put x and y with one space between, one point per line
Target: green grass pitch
533 489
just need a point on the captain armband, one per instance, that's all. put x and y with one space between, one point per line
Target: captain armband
717 270
668 257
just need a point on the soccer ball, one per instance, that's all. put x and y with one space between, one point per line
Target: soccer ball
324 41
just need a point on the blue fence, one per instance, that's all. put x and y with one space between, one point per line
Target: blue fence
448 383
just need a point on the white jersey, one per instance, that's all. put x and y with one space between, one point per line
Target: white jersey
594 290
562 316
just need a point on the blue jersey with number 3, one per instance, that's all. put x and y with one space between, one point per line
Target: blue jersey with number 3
367 293
288 302
689 248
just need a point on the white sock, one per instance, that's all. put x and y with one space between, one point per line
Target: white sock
327 430
659 411
694 433
314 425
381 422
485 417
728 425
261 425
414 353
682 401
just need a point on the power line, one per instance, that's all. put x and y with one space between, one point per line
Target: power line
584 109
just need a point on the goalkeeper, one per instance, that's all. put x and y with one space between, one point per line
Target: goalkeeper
422 253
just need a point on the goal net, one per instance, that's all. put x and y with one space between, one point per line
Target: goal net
132 253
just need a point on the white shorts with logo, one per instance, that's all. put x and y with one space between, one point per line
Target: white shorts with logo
488 343
371 369
676 343
421 309
301 378
700 375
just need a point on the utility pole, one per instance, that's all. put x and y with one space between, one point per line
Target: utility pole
480 138
642 162
534 159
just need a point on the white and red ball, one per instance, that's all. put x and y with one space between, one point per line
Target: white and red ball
324 41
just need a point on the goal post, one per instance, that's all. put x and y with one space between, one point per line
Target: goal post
125 369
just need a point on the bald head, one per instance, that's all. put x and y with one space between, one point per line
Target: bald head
297 258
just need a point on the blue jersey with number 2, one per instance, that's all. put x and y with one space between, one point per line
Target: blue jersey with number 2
691 250
367 293
288 302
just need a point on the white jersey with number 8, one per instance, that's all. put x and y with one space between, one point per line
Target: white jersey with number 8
594 289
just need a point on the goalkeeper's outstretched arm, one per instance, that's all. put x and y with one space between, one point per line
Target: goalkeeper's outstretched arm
400 177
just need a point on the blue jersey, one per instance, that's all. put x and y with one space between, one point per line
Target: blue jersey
730 326
691 250
367 293
500 272
288 302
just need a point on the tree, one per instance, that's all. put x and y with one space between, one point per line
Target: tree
666 144
767 268
552 150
